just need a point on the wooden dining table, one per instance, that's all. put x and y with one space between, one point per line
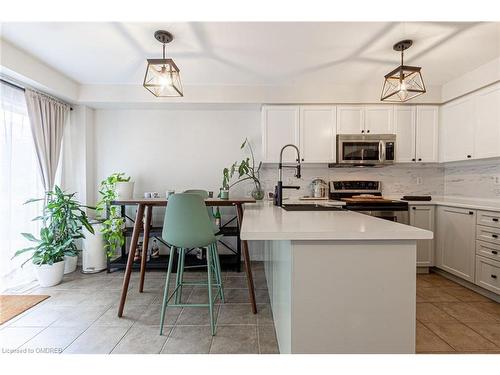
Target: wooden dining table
143 223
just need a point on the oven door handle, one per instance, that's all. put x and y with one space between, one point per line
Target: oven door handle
380 151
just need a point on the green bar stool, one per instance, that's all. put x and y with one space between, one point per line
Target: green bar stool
187 225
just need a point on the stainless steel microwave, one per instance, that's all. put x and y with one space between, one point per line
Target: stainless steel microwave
366 149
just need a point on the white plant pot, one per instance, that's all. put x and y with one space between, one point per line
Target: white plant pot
124 190
50 274
93 254
70 263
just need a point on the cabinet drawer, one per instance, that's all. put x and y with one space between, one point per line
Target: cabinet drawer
488 234
488 218
488 274
488 250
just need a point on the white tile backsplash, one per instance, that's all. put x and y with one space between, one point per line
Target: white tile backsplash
473 179
399 179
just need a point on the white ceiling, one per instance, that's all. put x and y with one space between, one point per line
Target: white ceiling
275 53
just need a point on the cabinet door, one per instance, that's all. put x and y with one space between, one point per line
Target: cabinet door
318 133
280 126
456 241
457 129
487 130
427 134
423 217
379 119
350 119
404 124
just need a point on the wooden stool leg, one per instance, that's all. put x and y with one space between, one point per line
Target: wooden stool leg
248 267
145 243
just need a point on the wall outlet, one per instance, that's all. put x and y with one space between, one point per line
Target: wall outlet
419 180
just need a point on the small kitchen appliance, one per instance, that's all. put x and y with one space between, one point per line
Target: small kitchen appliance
319 188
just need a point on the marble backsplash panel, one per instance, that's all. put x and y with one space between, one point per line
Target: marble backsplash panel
473 179
397 180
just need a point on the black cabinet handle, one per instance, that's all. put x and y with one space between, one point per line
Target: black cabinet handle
368 131
494 235
362 131
414 208
302 159
495 219
413 159
494 276
419 159
471 212
469 156
494 252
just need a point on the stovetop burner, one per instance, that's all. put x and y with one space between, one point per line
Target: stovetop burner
352 193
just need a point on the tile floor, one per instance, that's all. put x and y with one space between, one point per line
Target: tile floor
80 317
454 319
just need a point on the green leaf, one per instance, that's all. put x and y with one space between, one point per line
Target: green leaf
34 200
29 237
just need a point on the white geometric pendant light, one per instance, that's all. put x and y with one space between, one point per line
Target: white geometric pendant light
163 77
404 82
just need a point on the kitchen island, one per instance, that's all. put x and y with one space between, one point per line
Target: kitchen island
338 281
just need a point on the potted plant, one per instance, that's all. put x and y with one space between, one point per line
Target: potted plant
109 216
55 252
247 171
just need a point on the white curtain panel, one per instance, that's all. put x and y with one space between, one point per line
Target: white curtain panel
48 117
19 181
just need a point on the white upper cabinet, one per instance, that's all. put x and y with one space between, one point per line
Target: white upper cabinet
280 126
487 129
416 133
318 133
457 129
350 119
379 119
404 123
312 128
427 134
365 119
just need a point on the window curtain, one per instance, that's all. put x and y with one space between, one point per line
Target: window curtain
48 117
19 181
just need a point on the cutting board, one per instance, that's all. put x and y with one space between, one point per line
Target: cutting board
313 199
375 199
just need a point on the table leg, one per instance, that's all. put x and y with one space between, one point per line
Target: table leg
131 253
246 258
147 225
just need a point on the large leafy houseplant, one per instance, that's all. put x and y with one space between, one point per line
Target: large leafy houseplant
63 219
110 216
246 170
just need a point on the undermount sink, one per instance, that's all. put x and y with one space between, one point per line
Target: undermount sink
309 207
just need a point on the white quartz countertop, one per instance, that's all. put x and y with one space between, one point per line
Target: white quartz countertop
263 221
459 202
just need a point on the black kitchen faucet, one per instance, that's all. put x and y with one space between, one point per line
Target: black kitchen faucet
278 190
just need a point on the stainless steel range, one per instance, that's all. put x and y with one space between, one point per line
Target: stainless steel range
366 197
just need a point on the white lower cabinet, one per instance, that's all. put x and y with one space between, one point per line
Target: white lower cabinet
423 217
488 274
456 239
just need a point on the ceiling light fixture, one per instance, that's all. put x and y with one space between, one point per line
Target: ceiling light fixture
404 82
162 75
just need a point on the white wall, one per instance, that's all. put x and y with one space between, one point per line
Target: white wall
177 149
20 65
174 149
